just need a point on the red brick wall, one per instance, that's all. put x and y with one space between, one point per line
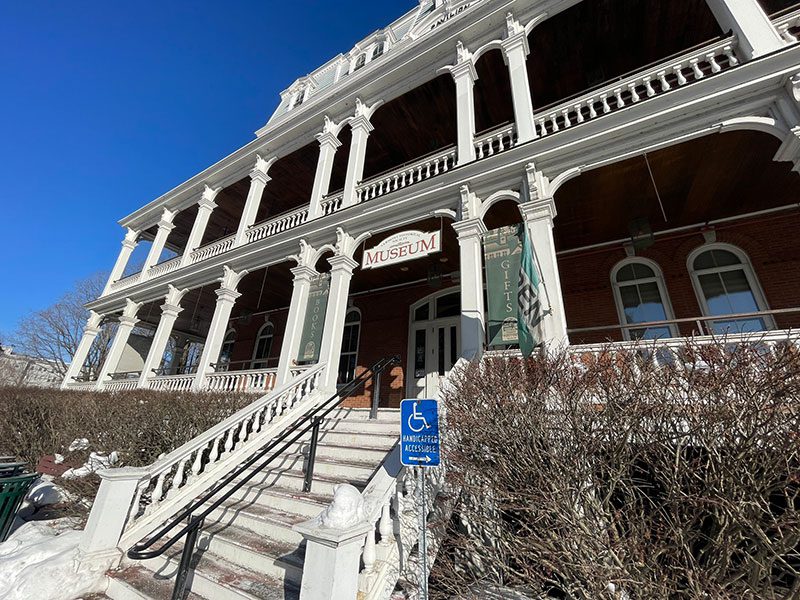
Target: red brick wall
771 242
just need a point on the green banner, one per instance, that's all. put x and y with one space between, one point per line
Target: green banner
502 250
315 320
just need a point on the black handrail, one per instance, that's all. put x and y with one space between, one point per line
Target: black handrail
307 422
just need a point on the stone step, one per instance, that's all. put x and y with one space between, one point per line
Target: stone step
324 467
293 479
326 449
253 552
341 437
259 518
283 499
364 426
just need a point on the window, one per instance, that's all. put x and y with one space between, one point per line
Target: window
263 347
377 51
298 100
349 357
726 285
227 350
641 297
360 62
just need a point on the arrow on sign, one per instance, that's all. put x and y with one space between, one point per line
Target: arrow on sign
425 458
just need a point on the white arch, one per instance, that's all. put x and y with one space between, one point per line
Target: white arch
499 197
493 45
564 177
754 123
535 21
319 252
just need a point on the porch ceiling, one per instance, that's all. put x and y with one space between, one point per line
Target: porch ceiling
709 178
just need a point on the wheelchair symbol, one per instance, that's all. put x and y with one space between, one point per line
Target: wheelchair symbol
417 417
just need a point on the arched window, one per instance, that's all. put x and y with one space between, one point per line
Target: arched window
349 359
726 285
360 62
227 350
263 346
377 51
641 297
299 98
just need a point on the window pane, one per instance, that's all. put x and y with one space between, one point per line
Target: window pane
419 353
422 313
448 306
650 333
642 303
740 295
626 273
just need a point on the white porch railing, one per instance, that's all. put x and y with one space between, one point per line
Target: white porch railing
786 23
253 380
174 480
125 282
163 268
331 204
211 250
408 174
645 84
171 383
278 224
82 385
496 141
120 385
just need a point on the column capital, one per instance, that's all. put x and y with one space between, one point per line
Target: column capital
342 262
543 209
361 122
469 228
303 273
94 321
206 204
226 295
128 321
515 42
131 308
167 217
131 239
464 70
210 193
328 139
230 279
261 168
170 310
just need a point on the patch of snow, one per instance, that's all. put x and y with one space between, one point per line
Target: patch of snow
44 492
40 560
79 444
58 459
96 462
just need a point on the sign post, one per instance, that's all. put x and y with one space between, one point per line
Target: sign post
420 447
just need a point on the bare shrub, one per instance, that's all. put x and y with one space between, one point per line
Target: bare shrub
138 425
608 477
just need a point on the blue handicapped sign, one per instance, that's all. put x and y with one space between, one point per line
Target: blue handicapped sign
419 433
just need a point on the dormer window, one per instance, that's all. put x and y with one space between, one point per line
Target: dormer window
299 99
360 62
377 51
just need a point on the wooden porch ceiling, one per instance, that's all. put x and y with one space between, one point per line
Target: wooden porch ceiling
713 177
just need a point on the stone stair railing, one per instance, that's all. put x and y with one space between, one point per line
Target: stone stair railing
363 544
133 502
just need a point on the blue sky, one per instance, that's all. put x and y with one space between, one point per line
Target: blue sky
107 105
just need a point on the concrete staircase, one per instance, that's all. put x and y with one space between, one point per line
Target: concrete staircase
247 549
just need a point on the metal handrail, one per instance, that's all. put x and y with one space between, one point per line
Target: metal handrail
309 421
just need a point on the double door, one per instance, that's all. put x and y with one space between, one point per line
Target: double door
434 348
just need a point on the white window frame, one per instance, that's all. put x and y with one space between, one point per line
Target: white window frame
222 347
749 273
259 335
350 311
662 290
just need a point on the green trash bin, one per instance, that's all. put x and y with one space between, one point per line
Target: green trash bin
12 492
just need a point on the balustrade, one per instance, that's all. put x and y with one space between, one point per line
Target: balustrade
277 225
789 26
408 174
120 386
164 268
332 204
125 282
211 250
255 380
646 84
171 383
496 141
177 478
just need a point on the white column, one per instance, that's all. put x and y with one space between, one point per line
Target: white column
164 227
128 246
473 327
331 348
328 144
515 52
84 346
290 345
169 314
751 25
258 181
465 77
361 128
127 322
538 216
226 298
205 206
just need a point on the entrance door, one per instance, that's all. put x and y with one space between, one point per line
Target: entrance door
434 342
